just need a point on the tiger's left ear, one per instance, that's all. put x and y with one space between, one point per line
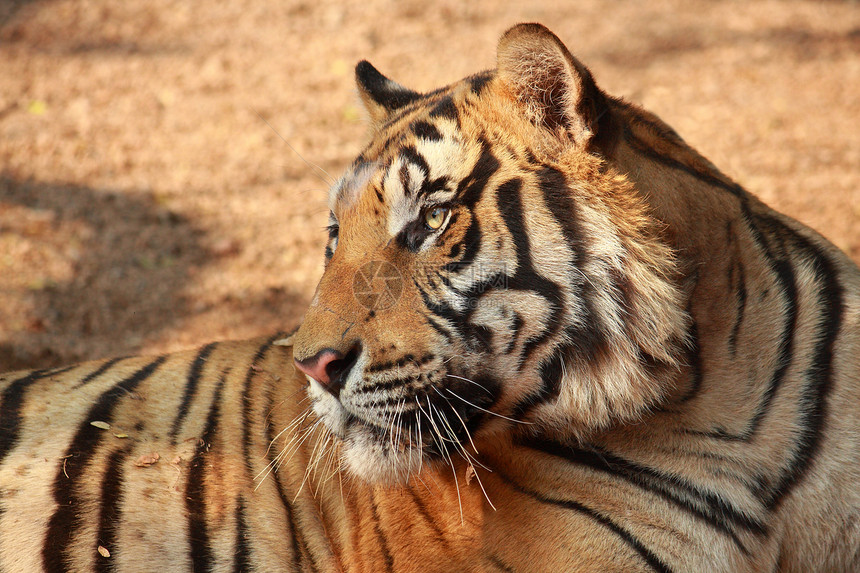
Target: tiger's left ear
554 89
380 95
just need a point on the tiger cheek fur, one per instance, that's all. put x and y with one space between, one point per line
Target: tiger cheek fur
547 297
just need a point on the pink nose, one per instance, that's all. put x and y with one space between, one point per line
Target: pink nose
329 368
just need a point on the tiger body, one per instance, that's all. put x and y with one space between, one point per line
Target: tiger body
593 352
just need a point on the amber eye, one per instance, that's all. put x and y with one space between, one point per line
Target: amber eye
435 217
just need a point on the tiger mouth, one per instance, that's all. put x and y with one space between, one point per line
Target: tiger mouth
428 421
436 423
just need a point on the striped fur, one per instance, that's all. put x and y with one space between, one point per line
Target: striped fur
549 337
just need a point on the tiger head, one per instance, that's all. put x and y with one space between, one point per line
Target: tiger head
488 269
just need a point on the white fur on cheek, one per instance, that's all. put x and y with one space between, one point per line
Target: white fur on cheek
328 408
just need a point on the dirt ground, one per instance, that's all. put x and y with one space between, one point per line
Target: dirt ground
153 193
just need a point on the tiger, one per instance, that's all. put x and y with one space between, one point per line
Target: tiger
549 336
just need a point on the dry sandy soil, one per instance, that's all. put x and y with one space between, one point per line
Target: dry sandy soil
149 200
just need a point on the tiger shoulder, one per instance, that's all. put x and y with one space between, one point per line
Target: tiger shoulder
549 336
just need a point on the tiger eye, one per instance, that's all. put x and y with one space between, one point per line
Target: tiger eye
435 217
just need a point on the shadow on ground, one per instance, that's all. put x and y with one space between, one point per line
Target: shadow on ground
99 268
90 256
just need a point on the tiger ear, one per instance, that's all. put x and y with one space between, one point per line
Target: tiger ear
554 89
380 95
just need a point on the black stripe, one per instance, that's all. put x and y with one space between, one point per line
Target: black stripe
477 336
479 81
471 188
110 511
448 336
514 332
456 247
709 177
812 406
439 184
441 309
423 101
199 548
737 280
333 228
101 370
499 564
784 272
557 197
705 505
294 533
438 534
241 551
694 359
551 370
10 406
247 423
472 240
445 108
383 543
426 130
191 383
66 520
405 179
411 155
469 191
510 207
588 339
631 540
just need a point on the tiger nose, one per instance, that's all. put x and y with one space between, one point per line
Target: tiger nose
330 368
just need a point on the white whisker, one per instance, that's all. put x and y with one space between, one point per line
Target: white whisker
487 411
327 179
470 382
447 456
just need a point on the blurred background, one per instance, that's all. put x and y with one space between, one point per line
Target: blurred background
149 202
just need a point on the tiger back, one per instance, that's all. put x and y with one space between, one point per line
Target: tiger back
550 336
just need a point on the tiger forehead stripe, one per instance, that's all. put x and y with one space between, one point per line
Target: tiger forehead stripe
421 173
426 130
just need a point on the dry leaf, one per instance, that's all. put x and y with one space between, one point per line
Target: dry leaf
100 424
120 435
470 473
37 107
147 460
103 551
